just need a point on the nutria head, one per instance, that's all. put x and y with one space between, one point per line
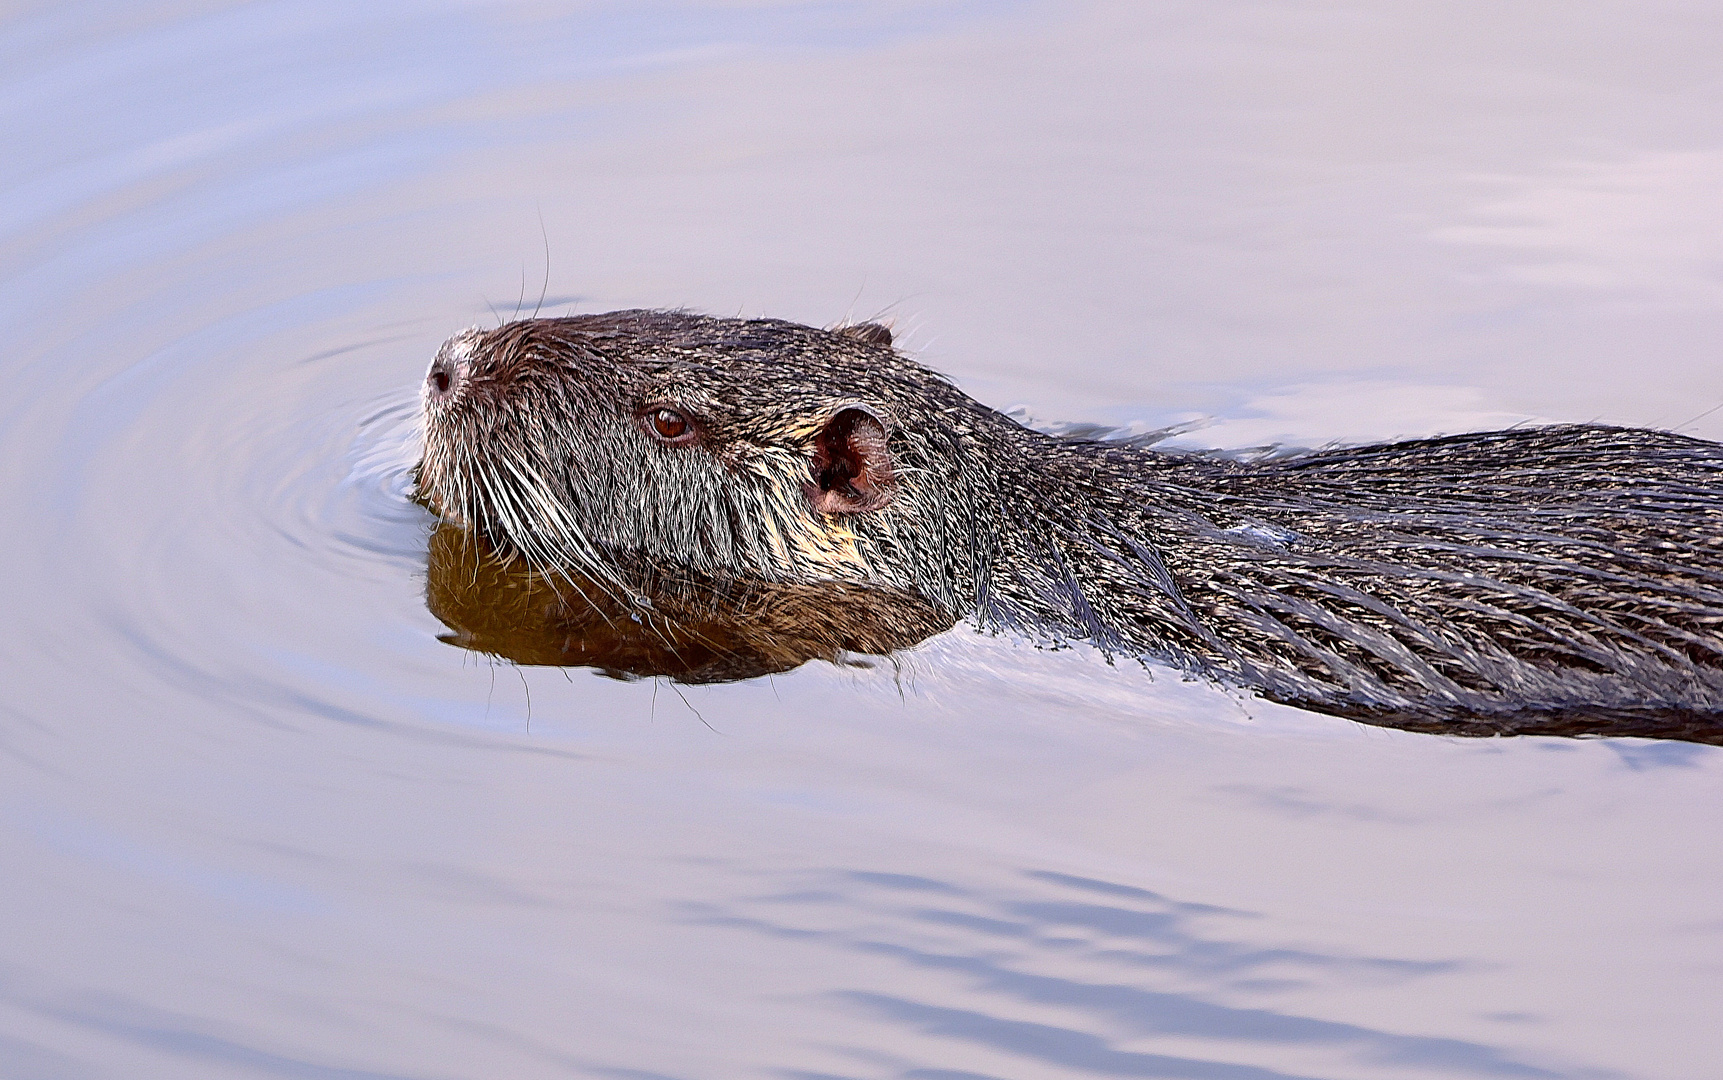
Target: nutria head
639 444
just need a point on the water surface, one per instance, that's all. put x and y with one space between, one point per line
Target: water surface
259 821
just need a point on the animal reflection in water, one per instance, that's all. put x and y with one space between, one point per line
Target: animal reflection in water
698 634
715 499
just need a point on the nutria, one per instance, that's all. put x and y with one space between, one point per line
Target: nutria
1557 579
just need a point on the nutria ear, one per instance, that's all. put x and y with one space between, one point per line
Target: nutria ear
852 471
871 332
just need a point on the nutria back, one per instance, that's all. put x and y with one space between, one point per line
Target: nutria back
663 466
1528 580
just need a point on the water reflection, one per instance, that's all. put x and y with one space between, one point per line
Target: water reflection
1094 976
691 631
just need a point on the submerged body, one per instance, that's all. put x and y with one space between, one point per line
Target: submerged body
667 465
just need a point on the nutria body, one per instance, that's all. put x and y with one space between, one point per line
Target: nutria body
1552 579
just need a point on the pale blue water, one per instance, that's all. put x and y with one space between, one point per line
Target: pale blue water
256 821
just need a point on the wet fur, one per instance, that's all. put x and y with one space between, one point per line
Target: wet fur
1548 579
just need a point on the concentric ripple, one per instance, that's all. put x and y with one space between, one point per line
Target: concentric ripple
256 820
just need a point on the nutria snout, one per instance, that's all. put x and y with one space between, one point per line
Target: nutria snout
1547 579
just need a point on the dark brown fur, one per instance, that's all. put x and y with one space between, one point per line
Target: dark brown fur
1557 580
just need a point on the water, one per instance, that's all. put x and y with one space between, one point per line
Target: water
259 821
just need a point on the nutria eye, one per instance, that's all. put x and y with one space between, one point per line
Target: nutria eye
670 425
